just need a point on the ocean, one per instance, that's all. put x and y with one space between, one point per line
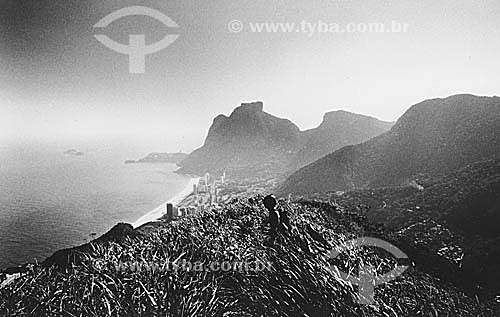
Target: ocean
50 201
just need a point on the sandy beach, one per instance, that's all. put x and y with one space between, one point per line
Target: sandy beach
159 211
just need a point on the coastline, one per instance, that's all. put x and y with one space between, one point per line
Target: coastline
151 216
159 211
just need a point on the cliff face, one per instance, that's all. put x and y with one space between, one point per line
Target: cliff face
432 137
338 129
248 139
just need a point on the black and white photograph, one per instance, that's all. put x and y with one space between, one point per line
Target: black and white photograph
249 158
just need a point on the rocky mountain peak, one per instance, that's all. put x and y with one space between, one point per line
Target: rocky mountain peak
252 107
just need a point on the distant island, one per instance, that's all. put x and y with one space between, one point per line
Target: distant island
155 157
73 152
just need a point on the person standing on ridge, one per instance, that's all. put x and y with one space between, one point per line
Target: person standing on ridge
274 218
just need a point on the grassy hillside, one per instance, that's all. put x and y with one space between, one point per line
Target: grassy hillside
298 282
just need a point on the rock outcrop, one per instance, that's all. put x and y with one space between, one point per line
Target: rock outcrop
247 141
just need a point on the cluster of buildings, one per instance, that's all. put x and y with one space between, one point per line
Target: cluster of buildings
208 186
205 194
174 212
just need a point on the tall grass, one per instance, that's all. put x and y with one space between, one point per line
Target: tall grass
298 283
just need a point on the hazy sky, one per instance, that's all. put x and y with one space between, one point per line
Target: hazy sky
58 81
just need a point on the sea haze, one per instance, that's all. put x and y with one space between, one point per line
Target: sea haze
49 200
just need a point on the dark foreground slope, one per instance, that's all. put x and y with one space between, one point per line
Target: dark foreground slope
297 284
433 137
456 217
466 200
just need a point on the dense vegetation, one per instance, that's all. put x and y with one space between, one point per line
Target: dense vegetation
298 283
456 216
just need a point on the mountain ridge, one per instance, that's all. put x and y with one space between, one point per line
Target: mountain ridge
433 137
339 128
248 137
252 142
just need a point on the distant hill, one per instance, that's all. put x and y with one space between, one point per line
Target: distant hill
246 141
338 129
253 143
155 157
73 152
433 137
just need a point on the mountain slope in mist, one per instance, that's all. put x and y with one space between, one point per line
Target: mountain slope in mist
253 142
433 137
247 139
338 129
